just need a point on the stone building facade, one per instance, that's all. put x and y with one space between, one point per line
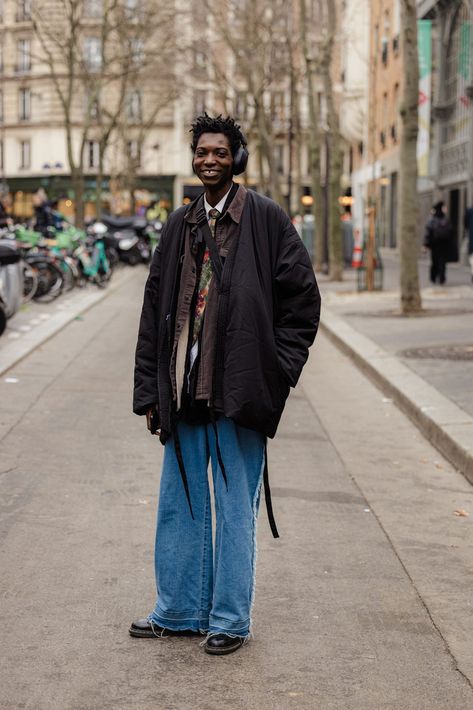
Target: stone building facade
450 165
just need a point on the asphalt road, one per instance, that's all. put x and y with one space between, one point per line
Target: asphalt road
364 602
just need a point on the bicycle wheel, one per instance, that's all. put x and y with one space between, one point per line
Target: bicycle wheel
50 281
30 282
68 274
3 319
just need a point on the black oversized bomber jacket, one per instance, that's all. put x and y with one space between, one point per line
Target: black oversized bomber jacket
268 314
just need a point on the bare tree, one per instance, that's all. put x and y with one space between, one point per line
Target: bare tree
335 147
132 133
312 59
257 35
94 53
408 204
60 42
143 46
324 136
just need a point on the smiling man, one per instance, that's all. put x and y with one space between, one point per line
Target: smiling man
230 310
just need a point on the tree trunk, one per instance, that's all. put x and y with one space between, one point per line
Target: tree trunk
314 143
408 204
98 187
77 180
335 236
335 153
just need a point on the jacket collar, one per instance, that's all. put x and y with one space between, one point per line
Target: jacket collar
197 211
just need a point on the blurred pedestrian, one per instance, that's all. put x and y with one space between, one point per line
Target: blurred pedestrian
5 219
42 210
231 307
469 236
439 239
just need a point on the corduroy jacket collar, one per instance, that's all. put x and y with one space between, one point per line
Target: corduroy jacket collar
197 212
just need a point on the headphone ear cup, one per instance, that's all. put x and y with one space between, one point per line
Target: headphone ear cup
240 161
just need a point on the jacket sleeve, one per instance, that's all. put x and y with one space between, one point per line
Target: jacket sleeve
145 394
297 307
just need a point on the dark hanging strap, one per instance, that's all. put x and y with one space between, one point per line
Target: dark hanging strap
217 446
267 494
182 469
203 232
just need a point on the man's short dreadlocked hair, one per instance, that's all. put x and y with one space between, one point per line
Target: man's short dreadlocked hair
227 126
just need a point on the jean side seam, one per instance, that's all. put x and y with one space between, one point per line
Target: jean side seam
255 540
205 552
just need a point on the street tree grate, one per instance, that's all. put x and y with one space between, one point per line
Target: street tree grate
440 352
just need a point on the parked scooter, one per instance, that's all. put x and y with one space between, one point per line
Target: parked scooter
11 282
99 230
131 242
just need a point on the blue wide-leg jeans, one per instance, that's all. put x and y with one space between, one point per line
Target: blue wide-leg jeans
204 586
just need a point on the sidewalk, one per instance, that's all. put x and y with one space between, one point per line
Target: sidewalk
425 363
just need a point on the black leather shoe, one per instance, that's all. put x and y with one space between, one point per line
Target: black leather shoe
146 629
221 644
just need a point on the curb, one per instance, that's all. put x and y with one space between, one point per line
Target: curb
443 423
12 353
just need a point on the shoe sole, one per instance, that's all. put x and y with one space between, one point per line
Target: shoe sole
137 633
222 651
143 634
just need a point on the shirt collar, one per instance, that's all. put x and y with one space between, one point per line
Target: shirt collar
234 211
219 206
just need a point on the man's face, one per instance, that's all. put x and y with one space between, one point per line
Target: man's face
213 160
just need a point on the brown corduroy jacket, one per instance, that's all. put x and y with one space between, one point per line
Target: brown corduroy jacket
226 233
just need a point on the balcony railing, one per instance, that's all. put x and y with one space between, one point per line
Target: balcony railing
454 159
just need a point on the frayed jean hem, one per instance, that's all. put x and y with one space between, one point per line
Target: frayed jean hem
231 628
179 623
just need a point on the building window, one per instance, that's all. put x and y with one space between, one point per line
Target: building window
278 106
384 51
93 8
131 6
23 11
134 152
383 120
241 107
396 113
93 53
278 152
24 104
200 59
95 110
25 154
200 100
92 154
23 53
134 105
137 51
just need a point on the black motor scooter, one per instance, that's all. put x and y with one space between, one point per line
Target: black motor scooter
130 240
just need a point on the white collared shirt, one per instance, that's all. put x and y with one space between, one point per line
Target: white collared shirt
218 206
